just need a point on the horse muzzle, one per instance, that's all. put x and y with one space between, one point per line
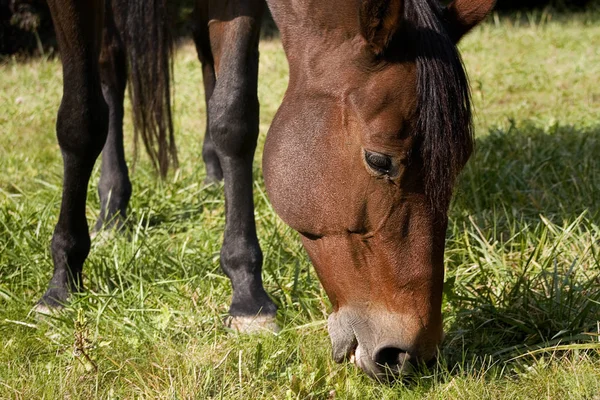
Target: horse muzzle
385 346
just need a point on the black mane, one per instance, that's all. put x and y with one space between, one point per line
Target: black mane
444 126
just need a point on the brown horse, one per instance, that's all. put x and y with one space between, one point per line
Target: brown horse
361 158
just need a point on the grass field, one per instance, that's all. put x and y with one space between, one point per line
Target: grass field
522 297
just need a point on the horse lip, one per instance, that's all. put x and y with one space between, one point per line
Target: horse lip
353 357
349 355
343 338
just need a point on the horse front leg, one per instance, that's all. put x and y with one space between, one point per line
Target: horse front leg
233 124
81 131
114 187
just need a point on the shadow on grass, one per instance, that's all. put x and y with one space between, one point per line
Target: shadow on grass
530 170
177 207
523 273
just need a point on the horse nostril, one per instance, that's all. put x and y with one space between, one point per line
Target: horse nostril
391 357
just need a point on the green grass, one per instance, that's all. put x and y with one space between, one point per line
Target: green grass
522 297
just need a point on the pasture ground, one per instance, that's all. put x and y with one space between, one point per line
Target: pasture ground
522 297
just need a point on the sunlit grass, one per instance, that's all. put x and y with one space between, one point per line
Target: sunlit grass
522 298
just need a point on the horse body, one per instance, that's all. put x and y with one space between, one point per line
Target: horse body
360 158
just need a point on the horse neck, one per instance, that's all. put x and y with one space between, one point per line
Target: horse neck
315 17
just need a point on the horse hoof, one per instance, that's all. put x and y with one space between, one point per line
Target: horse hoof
210 180
253 324
103 236
41 310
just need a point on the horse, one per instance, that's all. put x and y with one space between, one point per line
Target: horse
360 159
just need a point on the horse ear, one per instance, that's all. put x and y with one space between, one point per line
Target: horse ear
464 15
379 20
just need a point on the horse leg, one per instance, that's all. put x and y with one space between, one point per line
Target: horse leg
81 131
114 187
233 124
214 172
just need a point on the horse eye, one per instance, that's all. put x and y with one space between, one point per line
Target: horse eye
379 162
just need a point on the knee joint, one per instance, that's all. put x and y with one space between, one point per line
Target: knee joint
82 126
233 122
